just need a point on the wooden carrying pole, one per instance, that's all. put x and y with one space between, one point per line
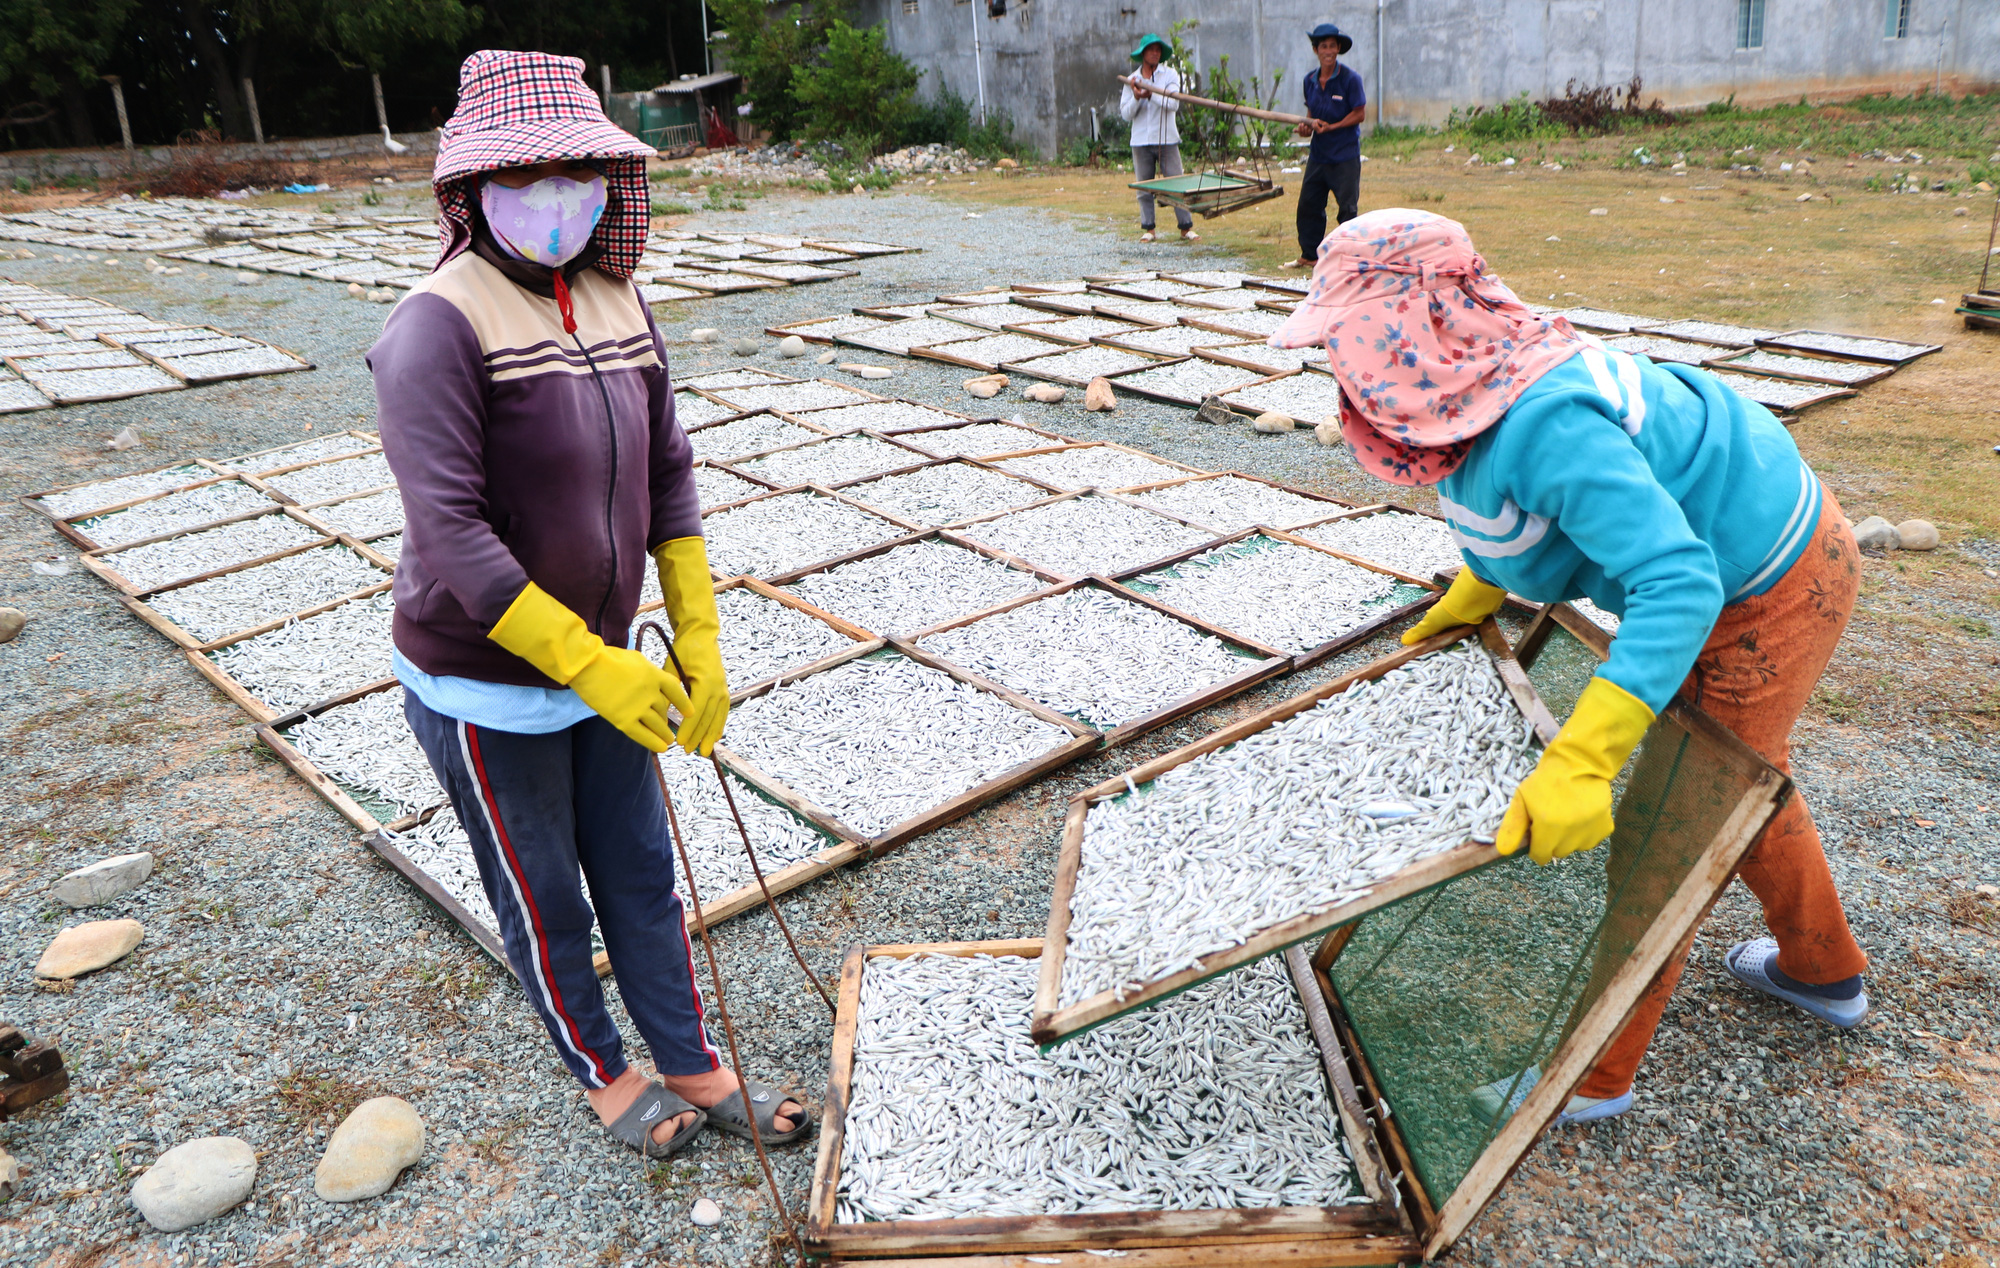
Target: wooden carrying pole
1249 111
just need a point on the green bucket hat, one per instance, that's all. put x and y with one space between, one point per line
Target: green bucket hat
1150 38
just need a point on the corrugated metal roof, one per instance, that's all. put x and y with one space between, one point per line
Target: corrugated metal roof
699 83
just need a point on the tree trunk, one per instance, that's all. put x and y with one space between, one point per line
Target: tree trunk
77 110
214 61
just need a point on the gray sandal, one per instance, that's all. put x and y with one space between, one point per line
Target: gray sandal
727 1114
653 1106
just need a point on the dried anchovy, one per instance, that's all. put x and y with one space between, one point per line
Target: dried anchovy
1160 288
178 557
762 638
1215 279
1414 544
914 587
901 336
1094 466
441 848
1079 654
1172 341
827 327
1213 1100
880 740
91 357
1078 365
830 461
1079 329
303 662
1191 381
391 547
292 455
741 376
1297 818
1659 348
1604 319
790 530
988 316
1255 323
174 511
365 517
1779 363
1226 299
945 494
1086 534
1891 351
1275 360
1710 332
691 410
330 480
239 600
99 384
1157 312
975 440
880 416
716 486
1775 393
747 436
988 353
811 394
1308 398
366 744
123 489
1279 594
1229 504
1591 611
714 846
209 367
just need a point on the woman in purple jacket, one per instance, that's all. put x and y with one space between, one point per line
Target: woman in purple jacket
525 408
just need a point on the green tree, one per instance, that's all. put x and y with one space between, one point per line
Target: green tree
765 45
860 87
57 51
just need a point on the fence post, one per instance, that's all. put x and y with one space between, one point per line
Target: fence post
606 68
250 98
381 110
118 100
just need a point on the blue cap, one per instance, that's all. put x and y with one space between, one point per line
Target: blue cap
1327 30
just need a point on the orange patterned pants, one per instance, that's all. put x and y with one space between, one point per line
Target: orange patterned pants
1754 675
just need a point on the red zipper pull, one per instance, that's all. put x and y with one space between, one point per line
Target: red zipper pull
563 302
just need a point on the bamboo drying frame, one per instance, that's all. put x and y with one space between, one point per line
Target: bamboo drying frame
1083 741
1361 513
1377 1232
917 458
1726 361
1268 662
1786 342
98 561
140 604
1220 354
1054 1021
1330 647
946 536
820 432
911 435
942 351
953 418
862 395
803 328
1243 409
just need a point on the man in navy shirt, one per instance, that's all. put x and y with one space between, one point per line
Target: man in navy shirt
1335 105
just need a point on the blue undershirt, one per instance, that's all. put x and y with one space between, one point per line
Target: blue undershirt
497 705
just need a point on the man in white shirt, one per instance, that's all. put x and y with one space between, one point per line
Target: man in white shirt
1156 142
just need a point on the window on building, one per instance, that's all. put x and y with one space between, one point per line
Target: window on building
1896 20
1750 23
909 6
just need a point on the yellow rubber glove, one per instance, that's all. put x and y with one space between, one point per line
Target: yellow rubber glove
1468 602
1564 805
690 596
627 690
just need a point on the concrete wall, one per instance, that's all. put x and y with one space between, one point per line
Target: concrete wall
1046 62
48 166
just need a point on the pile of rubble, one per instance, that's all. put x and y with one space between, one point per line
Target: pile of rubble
759 164
927 158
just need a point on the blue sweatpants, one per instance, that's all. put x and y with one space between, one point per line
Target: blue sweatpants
541 808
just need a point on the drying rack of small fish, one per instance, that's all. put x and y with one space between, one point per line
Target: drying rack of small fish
1094 465
1078 534
1074 648
909 584
1307 602
946 491
1382 783
61 349
1230 502
1230 1126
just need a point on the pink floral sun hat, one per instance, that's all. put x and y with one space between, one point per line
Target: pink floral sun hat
1430 349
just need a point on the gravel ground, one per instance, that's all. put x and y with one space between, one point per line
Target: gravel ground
287 972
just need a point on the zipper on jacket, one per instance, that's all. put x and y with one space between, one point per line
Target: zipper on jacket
564 305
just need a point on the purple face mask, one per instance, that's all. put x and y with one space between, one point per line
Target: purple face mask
547 222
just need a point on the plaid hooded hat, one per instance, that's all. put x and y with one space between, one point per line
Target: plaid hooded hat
1429 347
520 108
